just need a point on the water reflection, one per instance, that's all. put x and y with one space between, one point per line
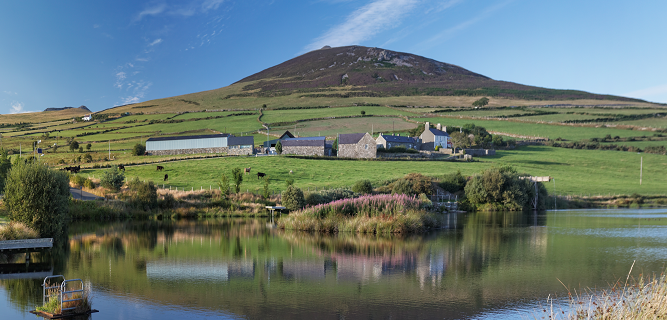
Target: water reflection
241 267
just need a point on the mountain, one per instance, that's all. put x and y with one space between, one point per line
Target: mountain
375 72
84 108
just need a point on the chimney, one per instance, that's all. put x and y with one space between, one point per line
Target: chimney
438 126
428 125
444 129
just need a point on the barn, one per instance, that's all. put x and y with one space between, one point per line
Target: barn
356 145
307 146
241 145
212 143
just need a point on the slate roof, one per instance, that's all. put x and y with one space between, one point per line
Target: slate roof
206 136
437 132
401 139
286 135
350 138
304 142
241 141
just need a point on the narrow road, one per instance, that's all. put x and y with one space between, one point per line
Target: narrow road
78 194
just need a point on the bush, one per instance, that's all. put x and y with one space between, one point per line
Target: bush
88 146
293 199
289 182
88 158
237 175
113 179
144 194
363 187
73 146
453 182
266 192
169 202
224 186
38 197
5 165
402 186
138 149
89 184
17 231
77 180
502 189
326 196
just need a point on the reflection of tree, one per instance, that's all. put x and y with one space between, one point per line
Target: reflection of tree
24 293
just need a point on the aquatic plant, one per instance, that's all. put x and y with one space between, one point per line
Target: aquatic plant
16 231
369 206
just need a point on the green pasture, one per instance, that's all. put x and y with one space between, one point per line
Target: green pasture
229 124
332 127
576 172
660 123
552 131
114 136
604 111
561 117
483 112
142 117
203 115
640 144
299 114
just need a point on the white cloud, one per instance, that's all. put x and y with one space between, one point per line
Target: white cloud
138 93
647 93
95 26
142 59
120 76
442 5
17 107
156 41
151 11
187 10
211 4
364 23
10 93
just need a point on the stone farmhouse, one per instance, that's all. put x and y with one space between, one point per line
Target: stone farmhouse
432 138
388 141
356 145
307 146
272 143
240 145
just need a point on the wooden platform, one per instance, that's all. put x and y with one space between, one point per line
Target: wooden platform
60 316
26 245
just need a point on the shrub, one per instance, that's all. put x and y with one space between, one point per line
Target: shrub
88 146
169 202
314 198
502 189
266 192
77 180
113 179
279 147
80 151
289 182
89 184
145 194
38 197
363 187
73 146
88 158
138 149
17 231
402 186
224 185
5 165
453 182
237 175
292 198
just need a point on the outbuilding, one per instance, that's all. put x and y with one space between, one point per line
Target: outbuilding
357 145
306 146
241 145
212 143
388 141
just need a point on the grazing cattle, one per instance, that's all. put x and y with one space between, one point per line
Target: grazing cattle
166 177
247 170
160 168
290 172
260 174
121 167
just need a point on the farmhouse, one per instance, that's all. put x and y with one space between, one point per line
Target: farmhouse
240 145
388 141
272 143
307 146
432 138
87 117
213 143
356 145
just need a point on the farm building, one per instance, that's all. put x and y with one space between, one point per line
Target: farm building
357 145
308 146
388 141
240 145
272 143
213 143
434 137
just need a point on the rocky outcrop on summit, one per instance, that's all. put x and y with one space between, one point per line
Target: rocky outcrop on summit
65 108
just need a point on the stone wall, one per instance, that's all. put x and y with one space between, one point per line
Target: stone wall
359 150
187 151
240 151
481 152
304 151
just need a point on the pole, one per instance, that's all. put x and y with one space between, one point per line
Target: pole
555 207
109 150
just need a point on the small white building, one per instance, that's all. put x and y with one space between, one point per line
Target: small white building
87 117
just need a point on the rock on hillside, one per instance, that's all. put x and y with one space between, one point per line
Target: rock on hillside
65 108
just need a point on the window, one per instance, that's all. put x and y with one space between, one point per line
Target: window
366 147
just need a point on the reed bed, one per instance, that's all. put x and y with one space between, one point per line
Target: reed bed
17 231
637 298
367 214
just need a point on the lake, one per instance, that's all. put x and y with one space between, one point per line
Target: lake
483 266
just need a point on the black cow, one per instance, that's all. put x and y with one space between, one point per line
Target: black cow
260 175
166 177
160 168
121 167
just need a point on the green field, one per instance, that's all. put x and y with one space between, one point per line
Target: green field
576 172
331 128
271 116
203 115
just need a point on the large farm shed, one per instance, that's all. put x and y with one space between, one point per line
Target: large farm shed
213 143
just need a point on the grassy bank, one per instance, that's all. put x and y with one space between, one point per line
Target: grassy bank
366 214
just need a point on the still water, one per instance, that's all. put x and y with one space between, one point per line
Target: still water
484 266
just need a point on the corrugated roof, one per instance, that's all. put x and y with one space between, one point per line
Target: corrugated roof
438 132
206 136
402 139
304 142
350 138
241 141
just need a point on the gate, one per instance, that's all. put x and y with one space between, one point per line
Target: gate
63 292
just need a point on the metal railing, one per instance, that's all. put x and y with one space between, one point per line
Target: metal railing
63 293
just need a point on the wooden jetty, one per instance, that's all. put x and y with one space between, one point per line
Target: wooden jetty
26 245
63 315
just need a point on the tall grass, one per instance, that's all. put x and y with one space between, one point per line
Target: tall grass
636 298
368 206
17 231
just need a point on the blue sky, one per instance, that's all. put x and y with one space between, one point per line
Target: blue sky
106 53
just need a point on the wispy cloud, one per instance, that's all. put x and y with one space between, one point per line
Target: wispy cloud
10 92
185 10
156 41
120 77
95 26
139 90
364 23
442 6
651 92
452 31
151 11
17 107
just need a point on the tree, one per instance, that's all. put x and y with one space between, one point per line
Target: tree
73 146
267 192
453 182
334 147
498 141
88 158
279 147
289 182
80 149
293 199
481 102
5 166
237 175
363 113
88 146
145 194
224 185
113 179
38 197
139 149
459 140
363 187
